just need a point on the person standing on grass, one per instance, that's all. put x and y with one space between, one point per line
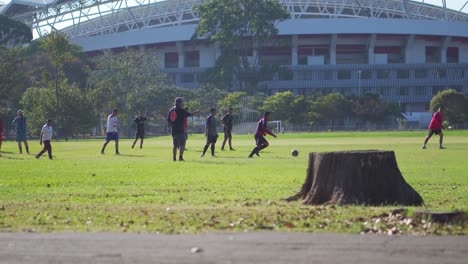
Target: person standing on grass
435 127
210 133
111 131
46 136
175 125
227 123
1 131
21 130
261 131
140 131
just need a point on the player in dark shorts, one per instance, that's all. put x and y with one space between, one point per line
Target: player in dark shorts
21 130
262 130
140 129
210 133
175 125
435 127
227 123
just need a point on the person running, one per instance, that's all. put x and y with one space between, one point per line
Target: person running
46 136
1 131
111 131
210 133
21 130
262 130
175 125
140 132
227 123
435 127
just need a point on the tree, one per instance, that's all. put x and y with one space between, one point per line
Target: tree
131 81
10 76
331 108
238 27
455 106
59 51
280 104
77 114
13 33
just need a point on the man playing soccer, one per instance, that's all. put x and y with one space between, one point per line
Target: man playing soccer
435 127
140 132
46 136
210 133
262 130
227 123
21 131
175 125
111 130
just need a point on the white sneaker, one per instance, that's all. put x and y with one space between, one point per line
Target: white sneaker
441 147
424 147
202 155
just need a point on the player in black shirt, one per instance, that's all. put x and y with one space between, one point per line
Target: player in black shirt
176 126
140 129
227 123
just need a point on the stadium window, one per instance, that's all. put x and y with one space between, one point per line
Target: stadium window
383 74
403 74
420 91
192 59
404 91
171 60
420 73
452 55
344 75
432 55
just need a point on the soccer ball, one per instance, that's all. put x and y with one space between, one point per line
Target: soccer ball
294 153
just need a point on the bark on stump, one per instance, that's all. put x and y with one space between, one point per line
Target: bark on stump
369 177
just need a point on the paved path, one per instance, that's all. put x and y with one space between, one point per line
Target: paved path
255 247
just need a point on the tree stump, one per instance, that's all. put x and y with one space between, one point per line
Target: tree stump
369 177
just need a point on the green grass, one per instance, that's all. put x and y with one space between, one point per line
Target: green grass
145 191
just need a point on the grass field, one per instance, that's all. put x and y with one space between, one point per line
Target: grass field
143 190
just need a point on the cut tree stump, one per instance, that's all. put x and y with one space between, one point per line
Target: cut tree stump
369 177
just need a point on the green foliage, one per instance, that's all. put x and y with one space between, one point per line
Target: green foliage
455 106
370 108
280 104
238 27
76 113
144 191
10 76
13 33
231 100
129 81
330 108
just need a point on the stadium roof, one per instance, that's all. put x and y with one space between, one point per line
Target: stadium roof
81 18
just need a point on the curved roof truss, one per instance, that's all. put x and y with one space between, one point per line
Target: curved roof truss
81 18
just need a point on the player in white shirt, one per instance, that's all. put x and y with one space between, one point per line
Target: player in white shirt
111 130
46 136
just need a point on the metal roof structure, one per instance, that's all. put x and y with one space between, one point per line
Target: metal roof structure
84 18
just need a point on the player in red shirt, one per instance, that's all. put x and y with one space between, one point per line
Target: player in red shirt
262 130
435 127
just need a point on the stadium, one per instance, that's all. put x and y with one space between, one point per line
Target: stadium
404 50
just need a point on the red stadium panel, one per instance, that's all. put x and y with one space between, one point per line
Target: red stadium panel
388 50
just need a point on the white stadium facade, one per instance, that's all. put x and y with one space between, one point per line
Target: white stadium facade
404 50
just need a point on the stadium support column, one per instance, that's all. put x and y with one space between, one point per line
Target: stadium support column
217 50
408 49
333 55
443 49
181 61
371 45
294 60
333 49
